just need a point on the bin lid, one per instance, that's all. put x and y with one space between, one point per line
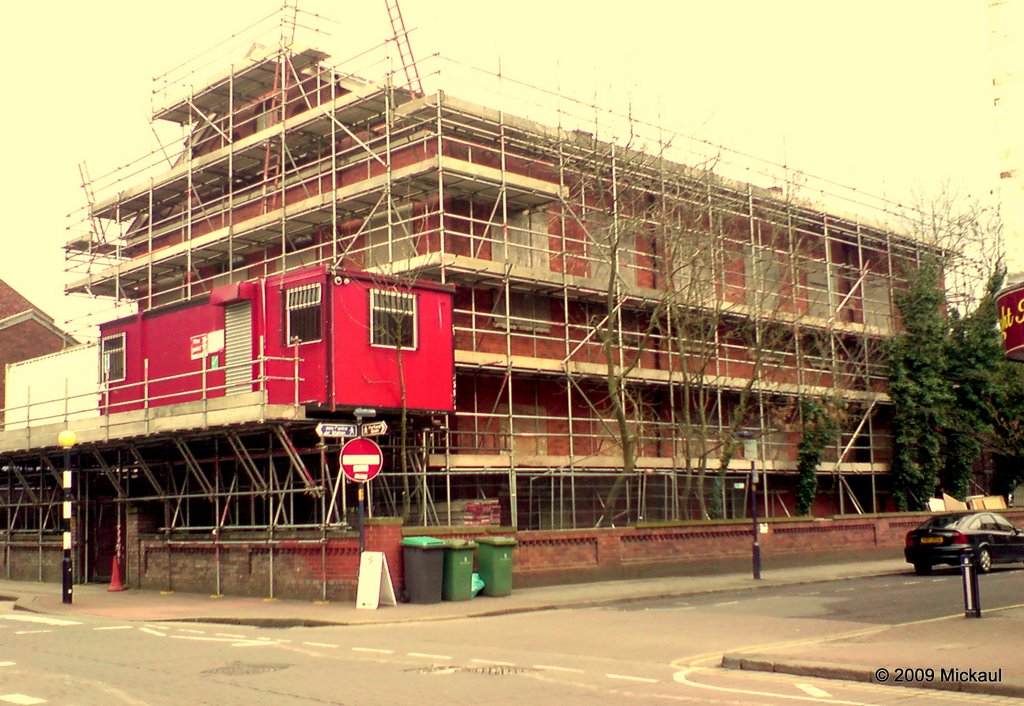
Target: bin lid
423 542
498 541
460 544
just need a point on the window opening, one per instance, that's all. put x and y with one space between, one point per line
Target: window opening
392 319
302 314
112 368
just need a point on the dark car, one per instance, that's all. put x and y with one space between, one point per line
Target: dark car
943 538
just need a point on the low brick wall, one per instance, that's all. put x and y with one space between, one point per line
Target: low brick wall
307 566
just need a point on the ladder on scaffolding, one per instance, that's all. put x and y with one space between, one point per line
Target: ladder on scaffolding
401 38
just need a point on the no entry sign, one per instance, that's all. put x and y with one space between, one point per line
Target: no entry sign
361 460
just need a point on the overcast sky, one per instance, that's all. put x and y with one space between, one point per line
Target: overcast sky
892 97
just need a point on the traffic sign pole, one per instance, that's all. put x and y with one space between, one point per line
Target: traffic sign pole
362 531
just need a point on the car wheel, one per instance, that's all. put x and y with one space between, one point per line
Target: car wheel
922 569
984 560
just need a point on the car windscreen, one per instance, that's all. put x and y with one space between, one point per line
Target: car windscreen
942 522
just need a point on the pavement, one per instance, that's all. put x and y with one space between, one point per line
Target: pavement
966 654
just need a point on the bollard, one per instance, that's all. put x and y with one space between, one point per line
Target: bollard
972 597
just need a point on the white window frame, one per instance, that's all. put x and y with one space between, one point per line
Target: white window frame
304 296
105 354
377 307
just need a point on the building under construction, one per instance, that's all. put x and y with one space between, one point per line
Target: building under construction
561 329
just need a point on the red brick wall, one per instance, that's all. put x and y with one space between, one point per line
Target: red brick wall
302 565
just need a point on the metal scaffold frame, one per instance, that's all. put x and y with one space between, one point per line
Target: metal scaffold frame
726 291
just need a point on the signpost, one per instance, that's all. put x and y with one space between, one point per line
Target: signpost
361 460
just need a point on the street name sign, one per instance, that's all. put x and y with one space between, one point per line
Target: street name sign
335 430
373 429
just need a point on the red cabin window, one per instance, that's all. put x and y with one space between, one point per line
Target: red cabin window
112 368
302 314
392 319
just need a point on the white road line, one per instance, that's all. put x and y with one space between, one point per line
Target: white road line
6 664
558 669
319 644
494 662
373 649
115 627
231 635
628 678
193 632
150 631
31 632
427 656
725 603
40 619
812 690
21 699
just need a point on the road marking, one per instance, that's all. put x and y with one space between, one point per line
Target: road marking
40 619
151 631
194 632
31 632
846 590
233 641
558 669
812 690
494 662
725 603
6 664
319 644
115 627
427 656
681 678
229 634
21 699
373 649
628 678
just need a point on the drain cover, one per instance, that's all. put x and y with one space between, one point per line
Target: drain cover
237 669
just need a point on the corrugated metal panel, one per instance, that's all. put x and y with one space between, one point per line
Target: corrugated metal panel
238 348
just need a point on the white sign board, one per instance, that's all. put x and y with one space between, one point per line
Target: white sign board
375 586
373 429
332 430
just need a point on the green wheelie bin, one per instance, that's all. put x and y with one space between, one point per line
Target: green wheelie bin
457 584
494 558
423 558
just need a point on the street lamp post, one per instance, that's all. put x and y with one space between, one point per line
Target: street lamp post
67 439
750 452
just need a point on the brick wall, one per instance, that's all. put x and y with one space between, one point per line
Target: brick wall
308 568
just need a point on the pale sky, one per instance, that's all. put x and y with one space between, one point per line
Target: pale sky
892 97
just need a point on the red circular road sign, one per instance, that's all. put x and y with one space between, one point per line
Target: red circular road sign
361 460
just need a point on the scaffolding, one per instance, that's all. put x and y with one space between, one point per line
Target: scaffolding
617 286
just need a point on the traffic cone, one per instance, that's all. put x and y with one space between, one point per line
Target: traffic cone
115 577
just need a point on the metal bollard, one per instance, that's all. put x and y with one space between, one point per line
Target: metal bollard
972 596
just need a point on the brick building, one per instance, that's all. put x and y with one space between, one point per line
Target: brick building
629 331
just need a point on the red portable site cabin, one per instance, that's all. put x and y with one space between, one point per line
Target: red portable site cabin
312 337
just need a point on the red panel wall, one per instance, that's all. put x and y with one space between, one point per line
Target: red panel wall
164 339
373 375
341 369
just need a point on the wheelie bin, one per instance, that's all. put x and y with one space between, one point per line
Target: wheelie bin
423 558
457 584
494 559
